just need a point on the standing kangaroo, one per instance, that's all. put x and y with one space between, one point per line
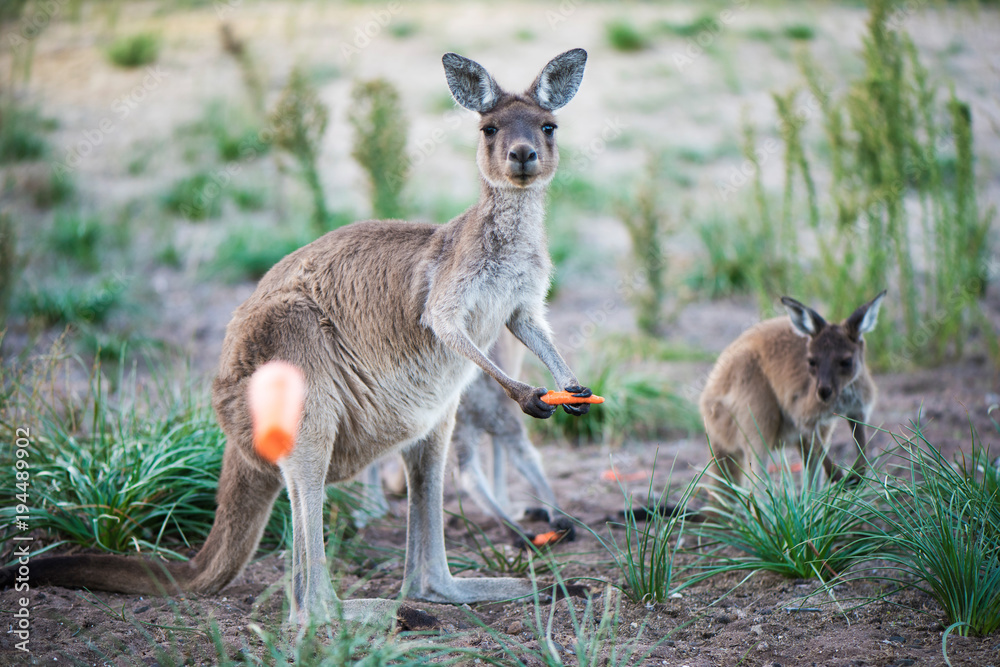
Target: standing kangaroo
784 382
388 321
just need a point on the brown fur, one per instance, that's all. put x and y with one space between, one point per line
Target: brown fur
784 382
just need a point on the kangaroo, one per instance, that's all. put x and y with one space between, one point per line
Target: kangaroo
485 411
388 321
783 382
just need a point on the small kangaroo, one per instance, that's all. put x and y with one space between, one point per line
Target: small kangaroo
388 321
783 382
485 411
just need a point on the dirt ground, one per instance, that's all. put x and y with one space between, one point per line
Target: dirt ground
766 620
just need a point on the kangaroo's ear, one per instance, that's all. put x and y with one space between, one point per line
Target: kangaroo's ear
558 81
805 320
470 83
864 318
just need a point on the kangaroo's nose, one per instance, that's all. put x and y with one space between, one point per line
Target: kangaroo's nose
825 392
523 153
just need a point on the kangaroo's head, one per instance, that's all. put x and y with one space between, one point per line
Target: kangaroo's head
517 142
835 353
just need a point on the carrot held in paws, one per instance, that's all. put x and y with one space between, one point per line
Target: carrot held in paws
561 397
276 397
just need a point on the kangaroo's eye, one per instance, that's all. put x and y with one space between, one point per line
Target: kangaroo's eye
846 364
548 129
812 362
489 131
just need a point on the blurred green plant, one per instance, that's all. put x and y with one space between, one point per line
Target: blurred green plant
299 121
622 35
78 237
52 188
135 50
21 133
196 197
380 130
648 226
70 301
253 79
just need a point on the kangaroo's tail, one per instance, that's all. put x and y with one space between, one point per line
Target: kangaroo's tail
246 494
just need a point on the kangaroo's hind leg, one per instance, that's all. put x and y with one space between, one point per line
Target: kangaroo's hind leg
427 576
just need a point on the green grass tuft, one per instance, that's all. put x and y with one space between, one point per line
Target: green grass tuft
939 527
646 555
78 237
623 36
689 28
800 526
799 31
21 134
72 301
380 130
196 197
135 50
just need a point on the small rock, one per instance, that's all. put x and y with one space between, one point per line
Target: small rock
141 609
515 628
763 646
676 596
757 630
896 639
722 619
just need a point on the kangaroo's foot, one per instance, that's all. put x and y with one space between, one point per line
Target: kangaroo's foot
451 590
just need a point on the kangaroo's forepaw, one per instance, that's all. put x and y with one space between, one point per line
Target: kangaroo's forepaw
536 514
564 590
562 524
412 619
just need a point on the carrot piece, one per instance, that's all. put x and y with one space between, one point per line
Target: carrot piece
614 475
794 467
560 397
276 397
548 539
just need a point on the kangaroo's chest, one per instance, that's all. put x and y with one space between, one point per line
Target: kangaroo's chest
500 287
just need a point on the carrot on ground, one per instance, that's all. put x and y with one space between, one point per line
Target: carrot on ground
548 539
561 397
614 475
276 397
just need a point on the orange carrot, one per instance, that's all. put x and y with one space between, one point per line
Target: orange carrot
614 475
560 397
276 397
548 539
